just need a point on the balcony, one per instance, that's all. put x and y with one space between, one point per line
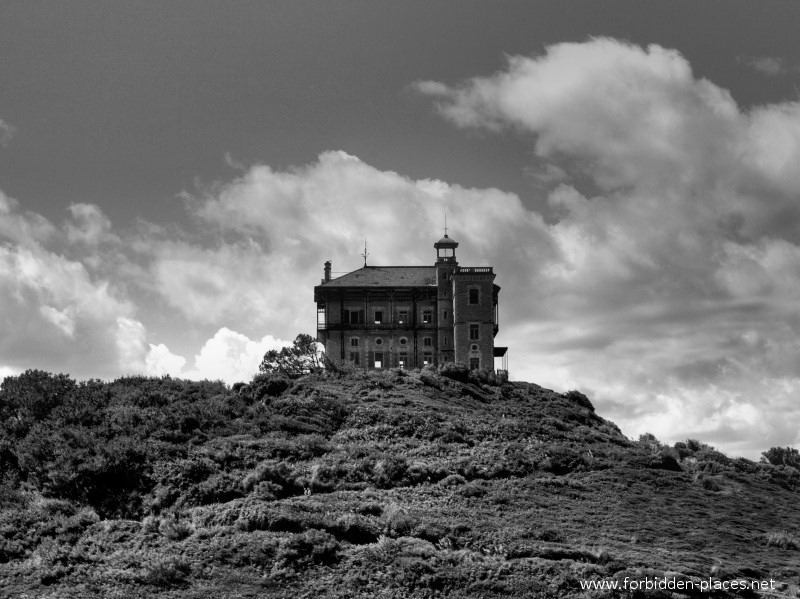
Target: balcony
475 270
371 326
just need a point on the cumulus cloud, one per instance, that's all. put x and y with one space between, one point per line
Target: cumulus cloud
277 229
771 66
55 315
672 297
231 357
7 131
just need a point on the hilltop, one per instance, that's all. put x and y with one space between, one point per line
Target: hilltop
380 484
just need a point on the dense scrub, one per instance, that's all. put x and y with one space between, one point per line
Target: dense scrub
383 484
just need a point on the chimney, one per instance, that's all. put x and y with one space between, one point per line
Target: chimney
327 271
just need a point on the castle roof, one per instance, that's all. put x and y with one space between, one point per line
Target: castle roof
386 276
446 242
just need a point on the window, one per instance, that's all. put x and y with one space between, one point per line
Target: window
403 340
402 361
427 316
353 316
427 342
402 316
474 347
378 316
474 331
378 359
445 341
444 314
355 357
427 359
474 296
474 363
353 341
379 341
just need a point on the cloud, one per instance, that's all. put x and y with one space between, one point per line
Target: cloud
160 361
771 66
231 357
55 316
7 132
671 298
277 228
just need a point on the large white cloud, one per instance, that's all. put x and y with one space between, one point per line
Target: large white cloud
277 228
55 315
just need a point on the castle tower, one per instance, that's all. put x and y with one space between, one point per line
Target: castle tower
446 265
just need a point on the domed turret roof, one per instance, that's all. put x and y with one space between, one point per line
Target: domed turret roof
446 242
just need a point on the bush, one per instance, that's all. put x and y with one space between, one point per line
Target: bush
456 371
782 456
266 385
783 539
580 399
167 572
309 548
454 480
175 529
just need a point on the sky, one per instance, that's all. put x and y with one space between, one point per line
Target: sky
174 175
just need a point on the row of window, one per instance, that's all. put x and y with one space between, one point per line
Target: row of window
356 315
474 335
402 360
426 341
379 316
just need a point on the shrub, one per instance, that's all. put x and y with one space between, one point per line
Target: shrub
472 489
783 539
398 522
303 550
266 385
454 480
390 472
456 371
175 529
782 456
170 571
580 399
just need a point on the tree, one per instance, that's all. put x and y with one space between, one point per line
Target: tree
782 456
301 358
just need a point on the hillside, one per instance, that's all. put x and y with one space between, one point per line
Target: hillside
387 484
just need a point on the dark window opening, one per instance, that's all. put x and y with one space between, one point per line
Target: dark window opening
474 296
474 331
354 317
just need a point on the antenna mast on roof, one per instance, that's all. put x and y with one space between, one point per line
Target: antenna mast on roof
445 223
365 254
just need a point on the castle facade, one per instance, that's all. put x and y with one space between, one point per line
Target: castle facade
410 316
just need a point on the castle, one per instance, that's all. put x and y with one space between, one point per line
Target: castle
411 316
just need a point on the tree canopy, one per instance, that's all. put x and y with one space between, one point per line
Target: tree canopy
302 357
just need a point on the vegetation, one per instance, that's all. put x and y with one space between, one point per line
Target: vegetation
302 357
380 484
